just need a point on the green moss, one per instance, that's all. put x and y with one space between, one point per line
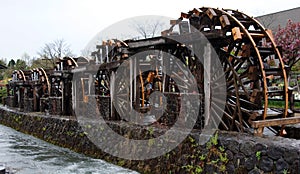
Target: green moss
151 131
121 163
214 156
151 141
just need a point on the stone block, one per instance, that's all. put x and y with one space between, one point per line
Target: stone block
275 152
256 171
281 165
290 155
248 148
266 164
251 162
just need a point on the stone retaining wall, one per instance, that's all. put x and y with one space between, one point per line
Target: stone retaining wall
229 152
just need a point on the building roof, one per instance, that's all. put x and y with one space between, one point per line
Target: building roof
273 20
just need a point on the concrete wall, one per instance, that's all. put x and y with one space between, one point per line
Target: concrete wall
228 152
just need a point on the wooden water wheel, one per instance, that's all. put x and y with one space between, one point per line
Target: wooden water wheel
251 62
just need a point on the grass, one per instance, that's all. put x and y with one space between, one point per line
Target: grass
280 104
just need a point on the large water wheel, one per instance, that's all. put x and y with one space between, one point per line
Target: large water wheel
250 61
38 88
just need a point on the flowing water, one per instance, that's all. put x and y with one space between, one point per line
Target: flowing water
25 154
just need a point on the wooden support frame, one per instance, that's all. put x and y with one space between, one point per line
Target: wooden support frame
260 124
275 122
83 84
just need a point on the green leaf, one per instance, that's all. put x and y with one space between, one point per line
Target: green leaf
202 157
258 155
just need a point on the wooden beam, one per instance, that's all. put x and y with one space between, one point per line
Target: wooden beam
185 15
197 11
174 22
211 13
224 21
275 122
236 33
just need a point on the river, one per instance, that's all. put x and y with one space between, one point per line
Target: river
25 154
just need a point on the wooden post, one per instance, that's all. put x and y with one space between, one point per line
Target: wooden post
62 83
34 98
91 80
131 66
112 96
17 97
143 91
134 92
74 96
137 85
207 81
101 56
291 99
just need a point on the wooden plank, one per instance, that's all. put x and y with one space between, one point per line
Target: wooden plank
236 33
257 35
224 21
185 15
174 22
275 122
197 11
273 71
242 109
174 39
147 42
211 13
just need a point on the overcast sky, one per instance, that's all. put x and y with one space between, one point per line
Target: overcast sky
26 25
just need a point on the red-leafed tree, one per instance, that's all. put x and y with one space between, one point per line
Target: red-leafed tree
289 39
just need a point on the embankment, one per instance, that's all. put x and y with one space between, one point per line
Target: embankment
226 152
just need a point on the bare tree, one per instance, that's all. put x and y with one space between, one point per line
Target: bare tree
148 28
26 58
86 53
55 50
